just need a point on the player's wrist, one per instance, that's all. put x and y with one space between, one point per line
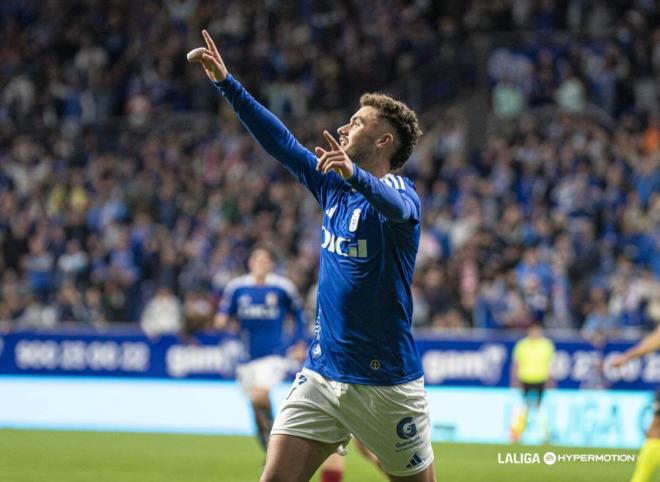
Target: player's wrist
222 82
353 178
227 87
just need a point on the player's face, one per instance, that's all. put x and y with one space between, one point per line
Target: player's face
358 138
260 263
535 331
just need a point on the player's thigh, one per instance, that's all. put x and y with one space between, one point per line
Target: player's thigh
334 462
260 397
310 411
427 475
294 459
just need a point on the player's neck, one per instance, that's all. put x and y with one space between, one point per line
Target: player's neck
260 279
378 167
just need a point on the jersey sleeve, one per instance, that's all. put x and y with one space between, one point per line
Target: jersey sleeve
391 196
228 303
295 307
276 139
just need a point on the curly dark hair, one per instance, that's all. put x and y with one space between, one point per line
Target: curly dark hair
404 120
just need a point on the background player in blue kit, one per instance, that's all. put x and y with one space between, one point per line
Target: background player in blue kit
362 374
259 302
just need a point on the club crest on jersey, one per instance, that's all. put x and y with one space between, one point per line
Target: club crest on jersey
353 248
271 298
355 219
244 300
316 351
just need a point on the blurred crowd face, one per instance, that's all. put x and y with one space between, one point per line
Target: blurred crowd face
260 263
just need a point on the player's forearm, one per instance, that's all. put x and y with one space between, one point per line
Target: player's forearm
387 201
647 345
220 321
267 129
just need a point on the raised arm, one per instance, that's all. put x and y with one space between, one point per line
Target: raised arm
649 343
225 317
267 129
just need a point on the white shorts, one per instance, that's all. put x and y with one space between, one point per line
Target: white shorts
262 373
392 421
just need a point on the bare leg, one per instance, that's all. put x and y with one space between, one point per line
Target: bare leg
366 453
333 468
294 459
427 475
263 414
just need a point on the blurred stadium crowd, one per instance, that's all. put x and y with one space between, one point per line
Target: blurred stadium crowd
129 191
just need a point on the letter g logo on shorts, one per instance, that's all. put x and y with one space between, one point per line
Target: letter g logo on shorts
406 428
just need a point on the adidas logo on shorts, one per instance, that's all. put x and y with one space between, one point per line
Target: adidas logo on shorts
414 462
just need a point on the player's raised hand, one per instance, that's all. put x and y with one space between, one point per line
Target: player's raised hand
298 352
335 159
618 361
210 59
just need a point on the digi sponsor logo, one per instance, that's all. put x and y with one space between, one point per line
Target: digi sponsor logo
258 311
406 428
352 248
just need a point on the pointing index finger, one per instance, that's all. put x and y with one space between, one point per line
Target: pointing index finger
332 141
210 43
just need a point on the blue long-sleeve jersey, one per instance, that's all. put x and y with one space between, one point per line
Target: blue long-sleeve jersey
369 240
261 310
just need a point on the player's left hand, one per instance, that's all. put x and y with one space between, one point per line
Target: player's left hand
335 159
210 59
618 361
298 352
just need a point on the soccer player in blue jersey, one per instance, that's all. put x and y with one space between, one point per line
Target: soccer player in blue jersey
259 302
362 374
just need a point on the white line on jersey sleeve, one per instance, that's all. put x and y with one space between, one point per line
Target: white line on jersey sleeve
393 180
